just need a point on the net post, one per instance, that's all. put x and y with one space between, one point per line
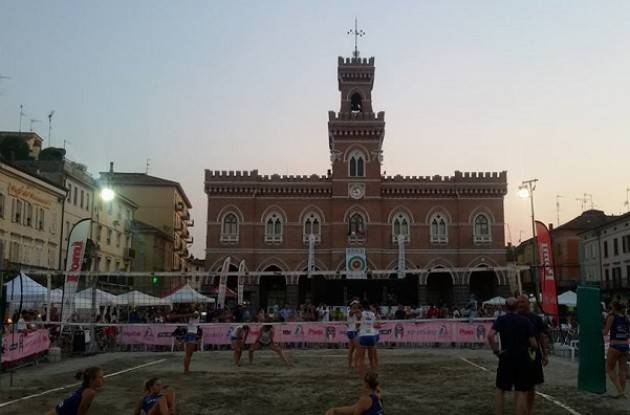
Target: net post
49 305
93 345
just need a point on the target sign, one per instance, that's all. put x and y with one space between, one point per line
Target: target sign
355 260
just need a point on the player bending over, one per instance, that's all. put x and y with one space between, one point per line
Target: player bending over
265 339
239 338
78 403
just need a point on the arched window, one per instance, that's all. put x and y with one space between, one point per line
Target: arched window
273 228
400 226
355 102
229 228
312 225
439 228
356 227
481 231
356 164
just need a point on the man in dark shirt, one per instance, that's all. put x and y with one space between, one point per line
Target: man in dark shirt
515 369
542 337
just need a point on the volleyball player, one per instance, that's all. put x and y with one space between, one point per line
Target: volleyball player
618 326
78 403
157 400
265 339
370 402
192 336
368 337
239 339
352 331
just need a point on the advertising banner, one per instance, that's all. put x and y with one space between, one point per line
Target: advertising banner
74 261
356 264
546 272
20 345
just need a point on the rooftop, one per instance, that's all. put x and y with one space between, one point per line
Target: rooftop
143 179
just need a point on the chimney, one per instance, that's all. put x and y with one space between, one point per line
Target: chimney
550 227
111 166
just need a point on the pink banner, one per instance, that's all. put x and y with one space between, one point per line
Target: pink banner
438 331
20 345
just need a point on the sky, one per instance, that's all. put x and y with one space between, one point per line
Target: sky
537 88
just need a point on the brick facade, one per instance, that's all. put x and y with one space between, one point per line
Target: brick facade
265 220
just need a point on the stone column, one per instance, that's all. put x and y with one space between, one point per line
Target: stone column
422 294
293 290
461 294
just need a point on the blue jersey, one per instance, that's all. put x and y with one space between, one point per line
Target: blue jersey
149 401
377 406
70 405
620 329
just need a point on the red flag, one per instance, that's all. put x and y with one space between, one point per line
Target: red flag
546 272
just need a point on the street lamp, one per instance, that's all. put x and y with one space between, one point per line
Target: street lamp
526 190
107 194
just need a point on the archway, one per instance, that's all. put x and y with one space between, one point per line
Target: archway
273 288
232 285
483 285
439 288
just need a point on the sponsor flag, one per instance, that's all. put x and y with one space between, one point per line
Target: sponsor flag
242 270
546 272
223 283
74 262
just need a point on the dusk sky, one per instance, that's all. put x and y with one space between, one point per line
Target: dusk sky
540 89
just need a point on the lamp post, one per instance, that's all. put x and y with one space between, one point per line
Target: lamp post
526 190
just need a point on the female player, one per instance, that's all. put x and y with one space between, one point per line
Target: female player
369 403
191 338
157 400
265 339
368 337
80 400
353 316
239 338
618 325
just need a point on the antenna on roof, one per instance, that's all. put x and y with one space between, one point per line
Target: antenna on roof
50 116
357 33
148 166
558 197
33 121
627 202
21 115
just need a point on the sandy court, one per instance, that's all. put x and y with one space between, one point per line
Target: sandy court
420 381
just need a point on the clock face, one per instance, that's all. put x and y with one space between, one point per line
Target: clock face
356 191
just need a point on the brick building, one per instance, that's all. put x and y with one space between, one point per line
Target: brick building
355 210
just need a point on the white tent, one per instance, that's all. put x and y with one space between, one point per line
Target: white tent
187 295
568 298
83 299
23 288
495 301
56 296
136 298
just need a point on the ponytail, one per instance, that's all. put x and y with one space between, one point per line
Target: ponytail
371 378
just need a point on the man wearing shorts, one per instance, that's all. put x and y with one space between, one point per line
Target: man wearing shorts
516 357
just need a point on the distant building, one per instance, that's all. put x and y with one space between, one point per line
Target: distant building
163 205
32 139
30 219
356 215
606 256
565 242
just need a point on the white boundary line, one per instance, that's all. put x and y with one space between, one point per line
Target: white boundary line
3 404
542 395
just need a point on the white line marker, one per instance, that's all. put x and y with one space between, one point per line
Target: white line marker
3 404
542 395
474 364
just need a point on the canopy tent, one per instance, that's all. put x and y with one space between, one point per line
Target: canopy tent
139 299
495 301
228 293
187 295
25 289
83 299
56 296
568 298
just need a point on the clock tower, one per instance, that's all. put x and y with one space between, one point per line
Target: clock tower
355 133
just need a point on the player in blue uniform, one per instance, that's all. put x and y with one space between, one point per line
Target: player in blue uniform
265 339
192 336
370 402
158 399
78 403
618 325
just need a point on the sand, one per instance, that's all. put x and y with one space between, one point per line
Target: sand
420 381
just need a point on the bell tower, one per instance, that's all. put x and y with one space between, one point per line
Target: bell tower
356 133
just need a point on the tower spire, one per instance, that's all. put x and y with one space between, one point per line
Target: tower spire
357 33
